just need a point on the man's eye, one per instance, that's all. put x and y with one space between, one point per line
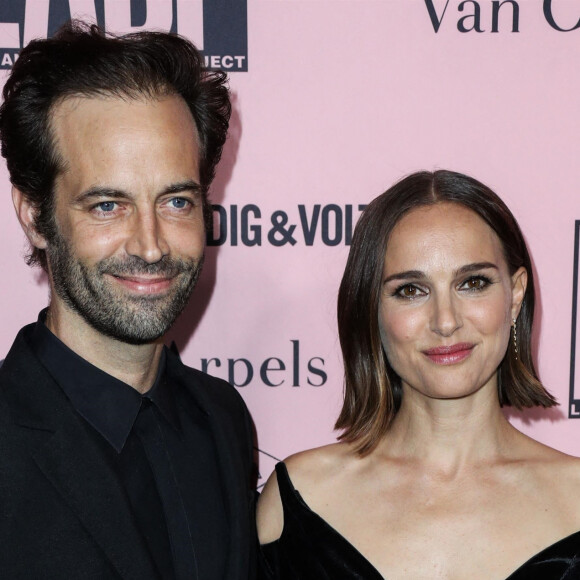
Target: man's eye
179 202
106 206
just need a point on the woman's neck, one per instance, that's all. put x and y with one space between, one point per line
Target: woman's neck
448 436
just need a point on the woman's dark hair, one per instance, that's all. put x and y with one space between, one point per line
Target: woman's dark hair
372 389
82 60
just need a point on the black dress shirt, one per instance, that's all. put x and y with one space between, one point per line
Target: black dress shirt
161 448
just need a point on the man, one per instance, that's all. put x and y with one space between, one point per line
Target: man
116 460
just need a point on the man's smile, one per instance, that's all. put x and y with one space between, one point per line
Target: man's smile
144 284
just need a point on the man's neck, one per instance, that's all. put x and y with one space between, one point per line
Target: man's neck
134 364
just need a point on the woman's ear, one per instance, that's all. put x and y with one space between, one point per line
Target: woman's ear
519 285
26 214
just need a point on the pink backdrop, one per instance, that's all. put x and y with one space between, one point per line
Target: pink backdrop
340 100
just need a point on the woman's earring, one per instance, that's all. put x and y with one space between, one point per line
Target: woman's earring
515 337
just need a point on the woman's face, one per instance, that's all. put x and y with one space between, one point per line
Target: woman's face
447 301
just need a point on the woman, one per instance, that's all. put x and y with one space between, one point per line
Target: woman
430 480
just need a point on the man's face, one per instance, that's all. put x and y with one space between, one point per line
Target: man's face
128 212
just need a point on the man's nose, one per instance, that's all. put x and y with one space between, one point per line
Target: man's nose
146 239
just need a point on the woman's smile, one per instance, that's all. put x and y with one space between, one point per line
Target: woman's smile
449 355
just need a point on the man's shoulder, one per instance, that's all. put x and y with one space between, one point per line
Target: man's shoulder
19 345
207 380
209 390
19 361
214 387
200 379
222 403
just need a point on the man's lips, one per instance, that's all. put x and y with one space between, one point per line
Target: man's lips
144 284
448 355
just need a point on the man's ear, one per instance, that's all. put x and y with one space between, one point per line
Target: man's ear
26 214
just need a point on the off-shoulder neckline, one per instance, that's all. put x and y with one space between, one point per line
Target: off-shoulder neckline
369 564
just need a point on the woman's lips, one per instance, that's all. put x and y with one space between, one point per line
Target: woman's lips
448 355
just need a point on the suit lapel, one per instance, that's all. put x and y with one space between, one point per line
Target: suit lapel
60 445
236 495
232 471
76 468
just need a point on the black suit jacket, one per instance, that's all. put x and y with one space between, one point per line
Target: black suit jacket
64 513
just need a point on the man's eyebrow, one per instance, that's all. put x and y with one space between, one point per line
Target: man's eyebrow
419 275
101 192
182 186
98 192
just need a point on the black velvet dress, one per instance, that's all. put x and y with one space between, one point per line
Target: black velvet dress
310 549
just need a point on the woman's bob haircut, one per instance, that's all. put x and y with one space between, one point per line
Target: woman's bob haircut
372 392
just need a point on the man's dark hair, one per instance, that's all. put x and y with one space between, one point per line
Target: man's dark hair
83 60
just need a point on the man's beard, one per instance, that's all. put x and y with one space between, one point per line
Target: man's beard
120 315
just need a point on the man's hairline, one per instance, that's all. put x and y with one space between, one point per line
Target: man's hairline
126 95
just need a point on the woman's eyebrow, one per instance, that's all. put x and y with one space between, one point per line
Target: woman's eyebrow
419 275
467 269
408 274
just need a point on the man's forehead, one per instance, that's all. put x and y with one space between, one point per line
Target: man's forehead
124 144
77 112
103 103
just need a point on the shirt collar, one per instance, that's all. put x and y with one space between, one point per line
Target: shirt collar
109 405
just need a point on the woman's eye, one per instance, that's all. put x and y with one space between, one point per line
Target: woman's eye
408 291
475 283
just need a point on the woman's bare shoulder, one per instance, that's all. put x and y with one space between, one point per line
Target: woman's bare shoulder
544 454
561 464
307 470
555 469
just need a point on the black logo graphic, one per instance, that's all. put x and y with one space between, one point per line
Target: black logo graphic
574 407
217 27
249 225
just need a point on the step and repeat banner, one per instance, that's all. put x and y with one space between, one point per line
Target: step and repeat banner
334 100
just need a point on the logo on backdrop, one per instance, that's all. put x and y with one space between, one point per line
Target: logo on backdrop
249 225
217 27
290 368
574 406
497 15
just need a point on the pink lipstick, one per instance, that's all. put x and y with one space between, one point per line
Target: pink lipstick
449 355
